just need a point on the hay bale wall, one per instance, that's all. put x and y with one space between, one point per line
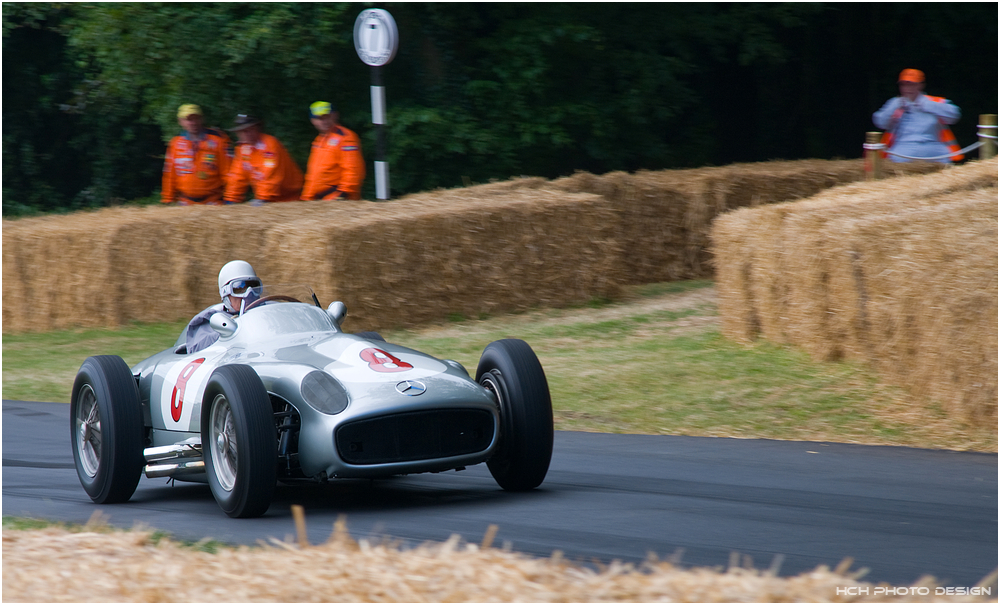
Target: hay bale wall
665 217
436 254
393 264
484 249
901 274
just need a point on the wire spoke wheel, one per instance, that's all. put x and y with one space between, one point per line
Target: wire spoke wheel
88 428
106 429
240 441
225 453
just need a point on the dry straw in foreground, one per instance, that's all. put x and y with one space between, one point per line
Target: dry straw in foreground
53 565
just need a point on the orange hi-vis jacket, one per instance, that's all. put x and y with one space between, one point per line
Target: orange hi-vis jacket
195 171
945 135
336 166
268 167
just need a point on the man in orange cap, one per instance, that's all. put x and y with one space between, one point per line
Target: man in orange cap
336 167
261 161
197 161
916 124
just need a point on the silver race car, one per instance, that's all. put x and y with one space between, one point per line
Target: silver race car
285 394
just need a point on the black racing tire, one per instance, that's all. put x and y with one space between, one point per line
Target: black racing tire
512 372
371 336
237 408
106 429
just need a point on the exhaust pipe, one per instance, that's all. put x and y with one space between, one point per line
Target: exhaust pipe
172 452
179 459
172 470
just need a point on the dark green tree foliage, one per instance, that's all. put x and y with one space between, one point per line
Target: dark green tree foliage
477 91
36 77
67 142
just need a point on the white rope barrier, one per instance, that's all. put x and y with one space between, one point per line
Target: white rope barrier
977 145
937 157
875 150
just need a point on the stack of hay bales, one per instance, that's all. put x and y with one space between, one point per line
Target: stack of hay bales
900 273
486 249
395 264
464 252
665 217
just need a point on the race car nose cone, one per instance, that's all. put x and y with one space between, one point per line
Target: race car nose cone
411 388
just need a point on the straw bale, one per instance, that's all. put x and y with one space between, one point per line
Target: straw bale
924 291
416 259
809 230
53 565
665 216
783 242
114 266
765 183
438 254
502 187
804 273
737 308
52 266
588 235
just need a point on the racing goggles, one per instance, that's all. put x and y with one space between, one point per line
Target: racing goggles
241 288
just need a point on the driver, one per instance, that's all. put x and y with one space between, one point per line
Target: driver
239 287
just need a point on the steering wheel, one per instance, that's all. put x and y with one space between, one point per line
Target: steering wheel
260 301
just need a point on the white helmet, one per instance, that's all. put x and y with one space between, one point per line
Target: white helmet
237 278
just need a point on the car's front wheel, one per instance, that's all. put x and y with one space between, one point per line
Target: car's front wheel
510 370
106 429
239 441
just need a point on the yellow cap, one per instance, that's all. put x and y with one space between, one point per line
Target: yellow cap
187 110
320 109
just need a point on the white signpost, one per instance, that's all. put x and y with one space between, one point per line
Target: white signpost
376 39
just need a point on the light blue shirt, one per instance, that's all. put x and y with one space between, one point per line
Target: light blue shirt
916 125
200 334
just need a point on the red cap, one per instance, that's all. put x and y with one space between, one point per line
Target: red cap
911 75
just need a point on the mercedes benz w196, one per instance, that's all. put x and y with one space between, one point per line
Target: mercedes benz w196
285 394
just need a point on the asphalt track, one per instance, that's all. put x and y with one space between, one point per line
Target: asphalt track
900 512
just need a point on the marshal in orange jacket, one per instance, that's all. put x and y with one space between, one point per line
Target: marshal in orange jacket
194 171
268 167
945 135
336 166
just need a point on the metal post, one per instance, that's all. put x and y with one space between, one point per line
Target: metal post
376 39
378 118
988 136
873 156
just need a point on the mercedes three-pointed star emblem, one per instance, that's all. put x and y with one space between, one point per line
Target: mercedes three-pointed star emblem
411 388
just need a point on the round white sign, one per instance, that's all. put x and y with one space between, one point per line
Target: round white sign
376 37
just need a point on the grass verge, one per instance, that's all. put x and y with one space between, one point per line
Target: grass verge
98 524
653 363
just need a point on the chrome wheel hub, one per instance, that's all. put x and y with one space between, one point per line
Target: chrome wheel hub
223 435
88 428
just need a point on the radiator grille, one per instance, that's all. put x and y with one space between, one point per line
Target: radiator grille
412 436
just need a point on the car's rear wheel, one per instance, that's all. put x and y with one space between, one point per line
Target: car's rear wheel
239 441
511 371
106 429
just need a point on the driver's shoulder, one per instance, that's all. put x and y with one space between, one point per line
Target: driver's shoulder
209 312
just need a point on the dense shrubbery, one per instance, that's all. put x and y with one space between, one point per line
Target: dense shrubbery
478 91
